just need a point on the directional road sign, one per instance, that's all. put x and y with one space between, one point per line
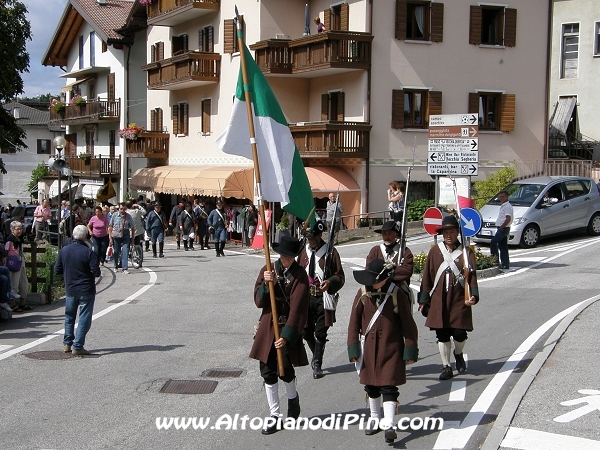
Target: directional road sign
457 145
471 221
456 157
432 220
453 132
452 168
446 120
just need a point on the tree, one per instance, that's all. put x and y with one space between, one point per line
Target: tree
15 30
486 189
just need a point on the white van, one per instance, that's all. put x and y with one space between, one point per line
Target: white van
543 206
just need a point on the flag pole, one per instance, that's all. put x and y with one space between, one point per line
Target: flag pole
261 206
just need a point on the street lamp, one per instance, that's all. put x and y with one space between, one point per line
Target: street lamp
58 164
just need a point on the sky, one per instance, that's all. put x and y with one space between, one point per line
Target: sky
43 16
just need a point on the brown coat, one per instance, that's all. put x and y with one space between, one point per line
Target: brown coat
448 309
337 277
401 273
296 291
389 344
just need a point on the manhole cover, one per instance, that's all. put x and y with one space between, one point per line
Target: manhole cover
222 373
189 387
52 355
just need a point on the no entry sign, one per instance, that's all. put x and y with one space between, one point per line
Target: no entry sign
432 220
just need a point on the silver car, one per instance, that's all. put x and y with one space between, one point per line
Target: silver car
544 206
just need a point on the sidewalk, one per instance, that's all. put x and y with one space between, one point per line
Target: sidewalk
556 403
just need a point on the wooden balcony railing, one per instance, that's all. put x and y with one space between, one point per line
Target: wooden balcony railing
149 144
173 12
188 69
555 167
329 50
332 139
91 111
93 167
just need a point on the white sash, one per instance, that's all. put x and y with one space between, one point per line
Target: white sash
387 257
448 262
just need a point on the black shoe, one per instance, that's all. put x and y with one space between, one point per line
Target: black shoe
390 436
218 255
461 365
294 407
372 428
274 428
154 255
446 373
161 256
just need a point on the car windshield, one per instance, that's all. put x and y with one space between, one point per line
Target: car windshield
520 194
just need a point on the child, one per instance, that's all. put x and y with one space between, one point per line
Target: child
373 342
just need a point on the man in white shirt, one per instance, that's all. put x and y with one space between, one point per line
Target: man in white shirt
334 216
499 242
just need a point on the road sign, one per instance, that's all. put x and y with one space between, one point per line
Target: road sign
471 221
452 168
432 220
456 157
447 120
456 145
453 132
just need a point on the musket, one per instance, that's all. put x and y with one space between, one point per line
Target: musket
331 238
404 228
466 268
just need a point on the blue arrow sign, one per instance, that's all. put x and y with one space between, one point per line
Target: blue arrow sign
471 221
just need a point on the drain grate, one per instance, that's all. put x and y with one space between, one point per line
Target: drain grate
189 387
52 355
222 373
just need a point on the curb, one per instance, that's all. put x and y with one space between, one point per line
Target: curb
505 416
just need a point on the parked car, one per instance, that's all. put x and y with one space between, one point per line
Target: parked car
24 214
544 206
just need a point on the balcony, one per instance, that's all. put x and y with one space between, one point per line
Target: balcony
92 111
189 69
93 167
332 139
317 55
149 144
169 13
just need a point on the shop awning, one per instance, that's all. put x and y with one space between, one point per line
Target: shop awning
53 190
329 178
87 191
563 113
196 180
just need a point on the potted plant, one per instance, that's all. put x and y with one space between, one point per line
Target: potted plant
131 132
57 106
78 100
87 157
283 227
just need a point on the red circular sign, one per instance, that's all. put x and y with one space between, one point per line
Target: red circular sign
432 220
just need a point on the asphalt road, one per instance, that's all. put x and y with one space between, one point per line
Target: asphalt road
191 312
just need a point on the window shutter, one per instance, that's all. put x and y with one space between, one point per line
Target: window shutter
111 86
200 39
340 107
507 112
325 107
434 104
184 42
211 47
229 33
39 146
175 119
510 27
153 119
175 45
401 18
475 25
159 119
473 103
161 51
398 108
437 22
152 53
344 26
206 116
327 19
186 121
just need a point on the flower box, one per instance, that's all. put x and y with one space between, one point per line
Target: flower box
131 132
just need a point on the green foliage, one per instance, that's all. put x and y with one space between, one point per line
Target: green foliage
417 208
419 262
42 98
285 222
49 257
483 261
36 175
486 189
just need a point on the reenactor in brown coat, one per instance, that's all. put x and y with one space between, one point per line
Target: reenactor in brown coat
442 298
291 291
313 258
382 340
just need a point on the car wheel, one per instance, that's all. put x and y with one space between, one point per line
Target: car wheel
530 236
593 228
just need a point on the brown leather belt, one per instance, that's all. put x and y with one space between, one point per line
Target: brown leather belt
315 291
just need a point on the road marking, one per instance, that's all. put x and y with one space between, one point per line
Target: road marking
524 439
593 405
458 391
458 438
111 308
5 347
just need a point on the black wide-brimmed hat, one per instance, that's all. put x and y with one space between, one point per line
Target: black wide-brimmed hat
389 225
373 274
288 246
315 230
448 222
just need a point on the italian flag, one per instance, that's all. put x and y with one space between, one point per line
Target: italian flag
282 174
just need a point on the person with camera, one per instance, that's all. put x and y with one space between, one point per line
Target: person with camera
395 195
217 223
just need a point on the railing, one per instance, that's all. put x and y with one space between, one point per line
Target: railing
332 139
158 7
91 111
189 66
553 168
149 144
96 166
273 55
570 146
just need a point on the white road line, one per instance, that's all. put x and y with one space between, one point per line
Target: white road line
5 347
523 439
58 333
458 391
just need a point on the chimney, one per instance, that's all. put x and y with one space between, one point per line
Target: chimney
101 2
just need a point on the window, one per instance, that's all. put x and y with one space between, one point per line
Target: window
493 25
89 142
206 107
104 47
419 21
496 111
91 91
570 50
156 119
179 44
180 119
597 39
332 106
336 18
80 52
157 52
230 43
112 136
411 108
44 146
205 39
92 49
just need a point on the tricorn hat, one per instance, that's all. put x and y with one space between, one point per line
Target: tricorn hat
288 246
315 230
374 273
448 222
389 225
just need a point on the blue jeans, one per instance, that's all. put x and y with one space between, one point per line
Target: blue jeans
100 246
500 243
157 234
85 303
4 285
121 248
